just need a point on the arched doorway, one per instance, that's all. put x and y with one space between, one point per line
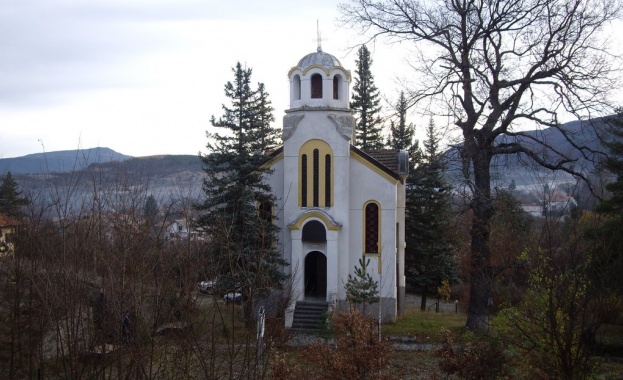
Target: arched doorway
316 275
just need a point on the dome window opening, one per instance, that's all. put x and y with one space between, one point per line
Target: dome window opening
296 90
316 86
336 87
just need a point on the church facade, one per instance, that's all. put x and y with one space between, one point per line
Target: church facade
336 203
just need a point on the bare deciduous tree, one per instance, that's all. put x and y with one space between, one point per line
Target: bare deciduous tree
493 65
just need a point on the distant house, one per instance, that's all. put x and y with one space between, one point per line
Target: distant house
559 204
534 210
555 204
181 229
8 229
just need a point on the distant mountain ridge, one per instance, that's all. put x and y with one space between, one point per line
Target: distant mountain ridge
168 174
580 141
167 177
60 161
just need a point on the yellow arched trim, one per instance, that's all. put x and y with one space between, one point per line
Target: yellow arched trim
329 223
379 232
324 69
323 149
367 164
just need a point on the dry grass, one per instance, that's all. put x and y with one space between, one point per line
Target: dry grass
425 326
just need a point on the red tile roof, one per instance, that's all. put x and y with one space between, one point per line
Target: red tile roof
387 157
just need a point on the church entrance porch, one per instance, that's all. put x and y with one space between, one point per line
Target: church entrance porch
316 275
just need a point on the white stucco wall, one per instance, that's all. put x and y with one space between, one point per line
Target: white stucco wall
367 185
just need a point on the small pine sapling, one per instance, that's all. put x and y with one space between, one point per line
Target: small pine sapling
361 289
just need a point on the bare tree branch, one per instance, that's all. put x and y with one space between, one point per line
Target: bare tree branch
496 66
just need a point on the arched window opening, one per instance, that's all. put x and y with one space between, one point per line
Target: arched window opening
316 86
296 90
336 87
372 228
314 231
316 176
304 181
327 180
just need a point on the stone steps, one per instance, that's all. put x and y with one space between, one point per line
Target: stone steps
309 315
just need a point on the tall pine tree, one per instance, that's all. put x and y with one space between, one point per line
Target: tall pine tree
609 256
366 104
11 201
430 244
401 134
238 205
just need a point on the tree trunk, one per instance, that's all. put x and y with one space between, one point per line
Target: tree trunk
423 301
481 275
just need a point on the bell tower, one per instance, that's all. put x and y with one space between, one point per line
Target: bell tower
319 80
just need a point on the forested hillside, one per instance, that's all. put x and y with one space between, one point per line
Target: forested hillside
61 161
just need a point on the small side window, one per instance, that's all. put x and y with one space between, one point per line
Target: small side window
371 228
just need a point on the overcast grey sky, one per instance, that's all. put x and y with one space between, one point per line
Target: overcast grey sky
143 77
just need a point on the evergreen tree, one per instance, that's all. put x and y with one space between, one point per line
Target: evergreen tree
361 288
366 104
267 135
614 164
430 245
150 215
150 211
237 211
401 134
11 201
609 256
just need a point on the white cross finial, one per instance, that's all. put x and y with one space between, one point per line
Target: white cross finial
319 49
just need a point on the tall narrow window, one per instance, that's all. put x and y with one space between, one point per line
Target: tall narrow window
316 86
327 180
296 90
371 228
316 176
336 87
304 181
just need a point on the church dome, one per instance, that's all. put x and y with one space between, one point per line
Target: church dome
319 80
319 58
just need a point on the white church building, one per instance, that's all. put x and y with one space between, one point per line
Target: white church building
334 202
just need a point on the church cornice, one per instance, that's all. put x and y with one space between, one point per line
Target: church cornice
345 124
319 108
290 122
317 213
324 69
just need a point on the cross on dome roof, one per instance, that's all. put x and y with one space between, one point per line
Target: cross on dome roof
319 39
319 58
